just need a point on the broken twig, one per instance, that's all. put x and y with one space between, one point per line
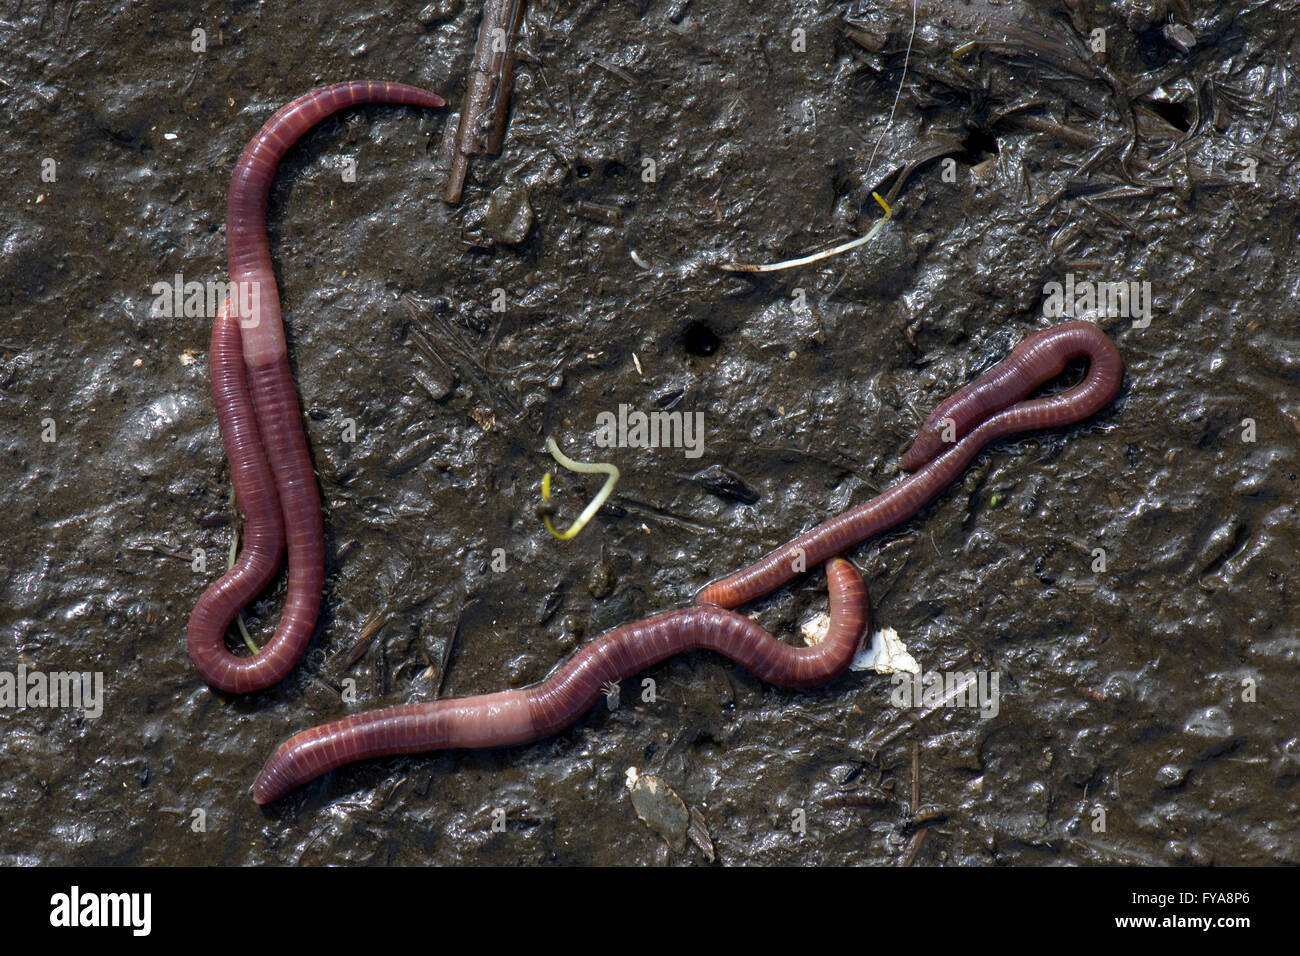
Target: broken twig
491 79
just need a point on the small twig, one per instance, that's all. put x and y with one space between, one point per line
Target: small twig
659 514
914 847
160 549
505 85
907 720
354 651
445 664
609 215
1111 217
490 78
616 70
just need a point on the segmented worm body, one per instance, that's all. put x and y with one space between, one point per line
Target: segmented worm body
263 538
991 407
257 406
515 716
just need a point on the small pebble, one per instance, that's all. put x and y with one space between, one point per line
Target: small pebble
601 581
1169 776
1179 37
509 215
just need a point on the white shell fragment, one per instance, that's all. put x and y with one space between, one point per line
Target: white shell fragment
815 628
886 655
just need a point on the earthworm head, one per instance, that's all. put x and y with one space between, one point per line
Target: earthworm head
937 434
925 446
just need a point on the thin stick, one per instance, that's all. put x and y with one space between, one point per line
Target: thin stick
445 664
353 652
491 69
914 847
505 80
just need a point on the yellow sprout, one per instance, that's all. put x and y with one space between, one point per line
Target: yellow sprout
239 617
583 468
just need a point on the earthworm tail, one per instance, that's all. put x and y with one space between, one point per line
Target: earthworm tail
515 716
252 321
991 407
248 254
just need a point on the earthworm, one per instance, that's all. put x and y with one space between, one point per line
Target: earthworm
992 406
257 406
516 716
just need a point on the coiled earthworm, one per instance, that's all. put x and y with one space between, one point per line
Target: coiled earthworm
992 406
515 716
257 406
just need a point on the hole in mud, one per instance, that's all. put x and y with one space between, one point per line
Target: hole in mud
979 145
1177 115
699 339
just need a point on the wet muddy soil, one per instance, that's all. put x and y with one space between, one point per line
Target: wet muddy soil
1131 580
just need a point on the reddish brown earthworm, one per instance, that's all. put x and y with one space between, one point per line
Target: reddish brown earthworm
992 406
515 716
257 405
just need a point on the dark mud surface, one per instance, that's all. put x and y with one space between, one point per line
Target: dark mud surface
1157 696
